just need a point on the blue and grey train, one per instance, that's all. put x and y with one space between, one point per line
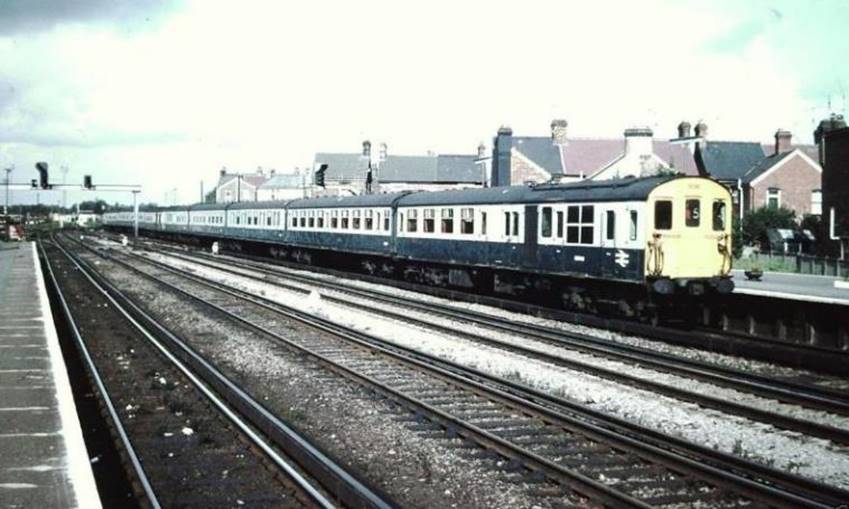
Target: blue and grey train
627 242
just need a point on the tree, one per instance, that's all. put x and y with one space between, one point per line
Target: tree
757 222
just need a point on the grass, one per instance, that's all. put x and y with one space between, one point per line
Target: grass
765 264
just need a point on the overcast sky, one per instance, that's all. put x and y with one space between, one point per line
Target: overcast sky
164 94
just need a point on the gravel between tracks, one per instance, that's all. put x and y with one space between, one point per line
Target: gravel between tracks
350 423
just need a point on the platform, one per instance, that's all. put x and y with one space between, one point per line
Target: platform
807 287
43 459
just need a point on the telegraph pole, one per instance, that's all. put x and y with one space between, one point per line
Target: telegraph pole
6 206
64 170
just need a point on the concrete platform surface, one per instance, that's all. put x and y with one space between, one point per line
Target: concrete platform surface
793 286
43 459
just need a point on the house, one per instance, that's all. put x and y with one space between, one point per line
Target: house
560 158
284 186
784 176
234 187
832 138
349 173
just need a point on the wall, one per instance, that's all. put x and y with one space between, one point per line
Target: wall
522 171
796 178
280 194
247 190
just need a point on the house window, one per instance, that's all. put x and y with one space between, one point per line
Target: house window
719 214
610 225
545 225
692 212
663 215
412 219
773 198
816 202
580 224
429 220
467 221
447 221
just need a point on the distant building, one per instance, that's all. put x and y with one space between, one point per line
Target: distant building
560 158
283 186
779 175
233 187
348 173
832 137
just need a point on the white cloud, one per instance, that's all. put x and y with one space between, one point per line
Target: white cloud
269 83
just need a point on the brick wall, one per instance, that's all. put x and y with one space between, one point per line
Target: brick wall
522 170
796 178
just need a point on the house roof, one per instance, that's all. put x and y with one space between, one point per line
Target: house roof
729 160
589 155
399 168
343 166
809 150
439 169
764 165
284 181
254 179
541 151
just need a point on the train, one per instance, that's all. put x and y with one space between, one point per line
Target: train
634 244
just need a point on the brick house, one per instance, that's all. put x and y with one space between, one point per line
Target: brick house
832 137
347 173
536 159
778 175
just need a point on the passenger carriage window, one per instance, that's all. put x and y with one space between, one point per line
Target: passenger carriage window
356 221
693 212
303 220
663 215
268 221
719 215
467 221
610 225
237 219
311 220
633 226
483 223
515 216
320 219
545 225
559 224
447 220
294 221
507 224
369 220
344 219
412 219
429 220
386 222
334 219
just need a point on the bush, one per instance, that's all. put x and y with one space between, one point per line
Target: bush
757 222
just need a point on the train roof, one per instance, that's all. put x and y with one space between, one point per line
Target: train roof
364 200
207 206
627 189
258 205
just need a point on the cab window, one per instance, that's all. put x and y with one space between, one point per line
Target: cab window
663 215
693 213
719 215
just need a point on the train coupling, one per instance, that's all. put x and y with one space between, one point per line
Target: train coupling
693 287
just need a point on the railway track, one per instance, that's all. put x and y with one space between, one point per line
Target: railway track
222 458
592 455
805 395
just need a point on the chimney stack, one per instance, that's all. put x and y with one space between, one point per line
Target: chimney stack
384 148
501 157
367 148
834 121
782 141
684 129
223 171
558 131
638 140
701 130
481 151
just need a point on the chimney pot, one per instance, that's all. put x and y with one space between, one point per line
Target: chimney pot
367 148
558 131
684 129
481 151
782 141
383 150
701 130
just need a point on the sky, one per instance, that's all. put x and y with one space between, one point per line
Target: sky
164 94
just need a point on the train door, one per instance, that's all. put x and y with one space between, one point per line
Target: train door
611 259
529 248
